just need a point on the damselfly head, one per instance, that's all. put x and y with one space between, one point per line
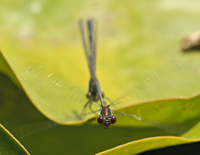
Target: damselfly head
106 121
106 118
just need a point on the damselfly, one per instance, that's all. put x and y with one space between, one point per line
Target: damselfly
105 117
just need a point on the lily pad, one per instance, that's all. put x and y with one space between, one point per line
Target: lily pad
149 143
136 38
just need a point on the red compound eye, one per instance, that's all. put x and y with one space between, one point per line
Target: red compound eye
100 120
113 120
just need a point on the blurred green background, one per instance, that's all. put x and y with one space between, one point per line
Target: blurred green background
136 40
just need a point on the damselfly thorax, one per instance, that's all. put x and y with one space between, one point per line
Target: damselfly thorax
92 92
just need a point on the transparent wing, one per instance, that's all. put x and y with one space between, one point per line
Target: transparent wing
162 83
53 96
89 48
95 30
33 128
84 41
163 126
164 79
92 44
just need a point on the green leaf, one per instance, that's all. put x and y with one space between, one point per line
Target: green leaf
9 144
146 144
135 38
